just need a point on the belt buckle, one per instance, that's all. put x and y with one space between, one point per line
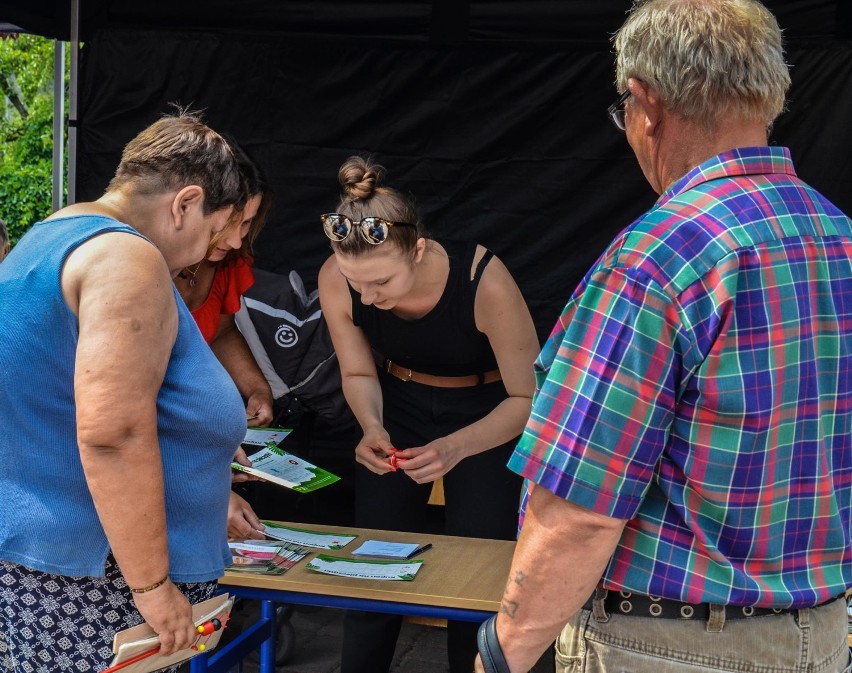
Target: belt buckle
390 366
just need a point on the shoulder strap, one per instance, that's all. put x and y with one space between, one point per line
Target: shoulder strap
480 268
356 305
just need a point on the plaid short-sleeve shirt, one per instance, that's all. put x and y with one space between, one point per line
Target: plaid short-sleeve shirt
699 385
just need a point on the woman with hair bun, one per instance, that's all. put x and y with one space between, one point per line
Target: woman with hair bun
436 349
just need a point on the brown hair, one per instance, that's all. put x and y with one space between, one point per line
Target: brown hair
254 184
363 196
179 150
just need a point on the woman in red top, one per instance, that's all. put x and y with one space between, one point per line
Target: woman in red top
212 290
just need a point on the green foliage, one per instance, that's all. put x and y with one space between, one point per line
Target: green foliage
26 143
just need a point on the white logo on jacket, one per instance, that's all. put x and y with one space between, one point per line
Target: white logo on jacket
286 336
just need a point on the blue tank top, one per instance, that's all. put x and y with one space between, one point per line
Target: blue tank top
47 520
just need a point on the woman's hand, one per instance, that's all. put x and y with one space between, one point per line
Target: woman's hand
242 521
236 475
428 463
373 451
168 612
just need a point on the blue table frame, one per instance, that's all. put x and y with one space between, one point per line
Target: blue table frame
261 634
461 579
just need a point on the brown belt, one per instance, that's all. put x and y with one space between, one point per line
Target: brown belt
405 374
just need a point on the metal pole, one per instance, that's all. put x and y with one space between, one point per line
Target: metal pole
72 102
58 124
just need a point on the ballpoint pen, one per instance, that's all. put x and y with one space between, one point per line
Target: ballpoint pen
416 552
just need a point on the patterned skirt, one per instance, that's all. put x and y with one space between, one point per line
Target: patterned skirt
52 623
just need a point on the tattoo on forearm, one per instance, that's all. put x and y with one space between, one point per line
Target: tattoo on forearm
509 608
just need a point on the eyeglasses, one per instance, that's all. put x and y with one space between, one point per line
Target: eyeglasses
616 111
374 230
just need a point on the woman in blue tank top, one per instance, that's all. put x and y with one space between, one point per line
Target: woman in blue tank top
117 423
436 349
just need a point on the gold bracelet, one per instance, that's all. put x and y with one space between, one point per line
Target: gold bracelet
150 587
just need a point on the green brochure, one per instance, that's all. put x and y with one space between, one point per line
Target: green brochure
272 463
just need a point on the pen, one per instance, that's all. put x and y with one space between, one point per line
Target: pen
416 552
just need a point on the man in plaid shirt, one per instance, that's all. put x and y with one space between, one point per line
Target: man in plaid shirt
689 451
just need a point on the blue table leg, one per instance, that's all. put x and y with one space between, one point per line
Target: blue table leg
267 647
261 635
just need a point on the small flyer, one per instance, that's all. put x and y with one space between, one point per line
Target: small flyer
364 570
306 538
272 463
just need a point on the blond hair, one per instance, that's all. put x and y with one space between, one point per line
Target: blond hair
708 59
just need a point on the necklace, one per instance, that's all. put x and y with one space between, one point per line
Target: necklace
191 273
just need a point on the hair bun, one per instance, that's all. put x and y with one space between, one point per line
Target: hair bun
360 177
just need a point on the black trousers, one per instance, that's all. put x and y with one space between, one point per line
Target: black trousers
481 497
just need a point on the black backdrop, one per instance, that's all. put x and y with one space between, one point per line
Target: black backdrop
491 114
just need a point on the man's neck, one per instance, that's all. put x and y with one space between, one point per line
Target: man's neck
688 145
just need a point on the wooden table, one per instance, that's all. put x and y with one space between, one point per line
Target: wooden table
461 579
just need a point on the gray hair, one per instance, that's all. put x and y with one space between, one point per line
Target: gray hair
707 58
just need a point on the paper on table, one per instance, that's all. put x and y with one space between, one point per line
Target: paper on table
365 570
306 538
382 549
264 557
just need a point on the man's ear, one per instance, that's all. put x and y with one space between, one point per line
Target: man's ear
191 196
646 101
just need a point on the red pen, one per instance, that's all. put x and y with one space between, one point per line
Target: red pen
132 660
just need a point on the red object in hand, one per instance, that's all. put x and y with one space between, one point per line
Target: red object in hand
395 461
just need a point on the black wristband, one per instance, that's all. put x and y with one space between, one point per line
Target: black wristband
489 647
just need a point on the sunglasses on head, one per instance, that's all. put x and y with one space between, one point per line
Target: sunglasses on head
374 230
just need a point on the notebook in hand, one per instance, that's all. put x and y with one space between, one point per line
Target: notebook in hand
136 648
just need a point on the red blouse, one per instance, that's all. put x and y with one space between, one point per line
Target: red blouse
230 281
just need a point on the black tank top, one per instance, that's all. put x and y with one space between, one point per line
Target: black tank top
445 341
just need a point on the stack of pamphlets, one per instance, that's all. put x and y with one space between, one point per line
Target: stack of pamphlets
264 557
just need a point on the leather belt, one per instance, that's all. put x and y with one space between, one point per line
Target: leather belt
638 605
405 374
